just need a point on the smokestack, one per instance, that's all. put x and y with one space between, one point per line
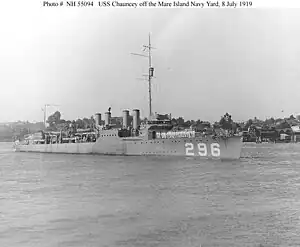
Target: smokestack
107 118
98 119
136 118
125 118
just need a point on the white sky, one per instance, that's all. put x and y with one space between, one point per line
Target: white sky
207 61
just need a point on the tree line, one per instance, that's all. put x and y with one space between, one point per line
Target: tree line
56 123
272 123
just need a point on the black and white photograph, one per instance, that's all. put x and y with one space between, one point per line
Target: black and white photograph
136 123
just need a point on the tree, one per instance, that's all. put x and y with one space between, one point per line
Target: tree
216 125
226 122
248 124
92 120
54 118
265 126
86 122
187 124
79 123
174 121
270 121
198 121
283 125
180 121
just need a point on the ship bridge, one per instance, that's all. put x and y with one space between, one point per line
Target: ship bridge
159 125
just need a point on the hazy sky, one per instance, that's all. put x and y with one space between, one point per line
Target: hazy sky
207 62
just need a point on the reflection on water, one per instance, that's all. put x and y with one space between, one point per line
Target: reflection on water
81 200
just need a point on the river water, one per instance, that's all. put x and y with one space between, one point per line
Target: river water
85 200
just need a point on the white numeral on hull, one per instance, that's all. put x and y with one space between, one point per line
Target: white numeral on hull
189 149
215 149
202 149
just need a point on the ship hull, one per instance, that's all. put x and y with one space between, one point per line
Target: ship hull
204 147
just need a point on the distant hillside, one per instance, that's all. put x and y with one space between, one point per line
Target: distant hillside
6 134
18 129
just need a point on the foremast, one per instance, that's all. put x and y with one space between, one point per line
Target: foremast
148 48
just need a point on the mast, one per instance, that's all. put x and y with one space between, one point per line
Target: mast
149 77
150 70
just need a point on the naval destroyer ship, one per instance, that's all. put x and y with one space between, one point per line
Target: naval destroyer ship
154 137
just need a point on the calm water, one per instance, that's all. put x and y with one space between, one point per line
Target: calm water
72 200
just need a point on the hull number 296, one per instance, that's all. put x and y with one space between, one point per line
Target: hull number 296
202 149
